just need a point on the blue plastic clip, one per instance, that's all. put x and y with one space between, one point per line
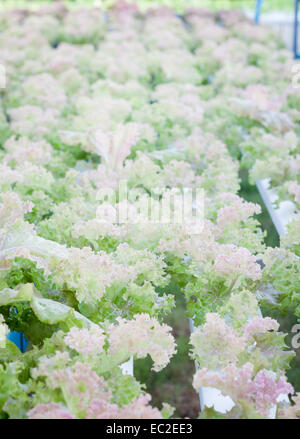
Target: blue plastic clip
19 340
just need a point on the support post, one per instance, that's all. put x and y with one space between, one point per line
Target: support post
296 29
258 10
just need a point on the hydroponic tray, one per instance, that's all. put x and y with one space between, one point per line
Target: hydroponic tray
280 215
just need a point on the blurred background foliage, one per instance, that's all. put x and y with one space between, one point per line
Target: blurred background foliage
178 5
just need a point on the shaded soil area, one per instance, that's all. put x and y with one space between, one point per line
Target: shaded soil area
174 383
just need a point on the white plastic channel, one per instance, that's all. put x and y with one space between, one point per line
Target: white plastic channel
127 368
280 216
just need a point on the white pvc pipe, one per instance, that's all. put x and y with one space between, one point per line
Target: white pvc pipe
280 216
